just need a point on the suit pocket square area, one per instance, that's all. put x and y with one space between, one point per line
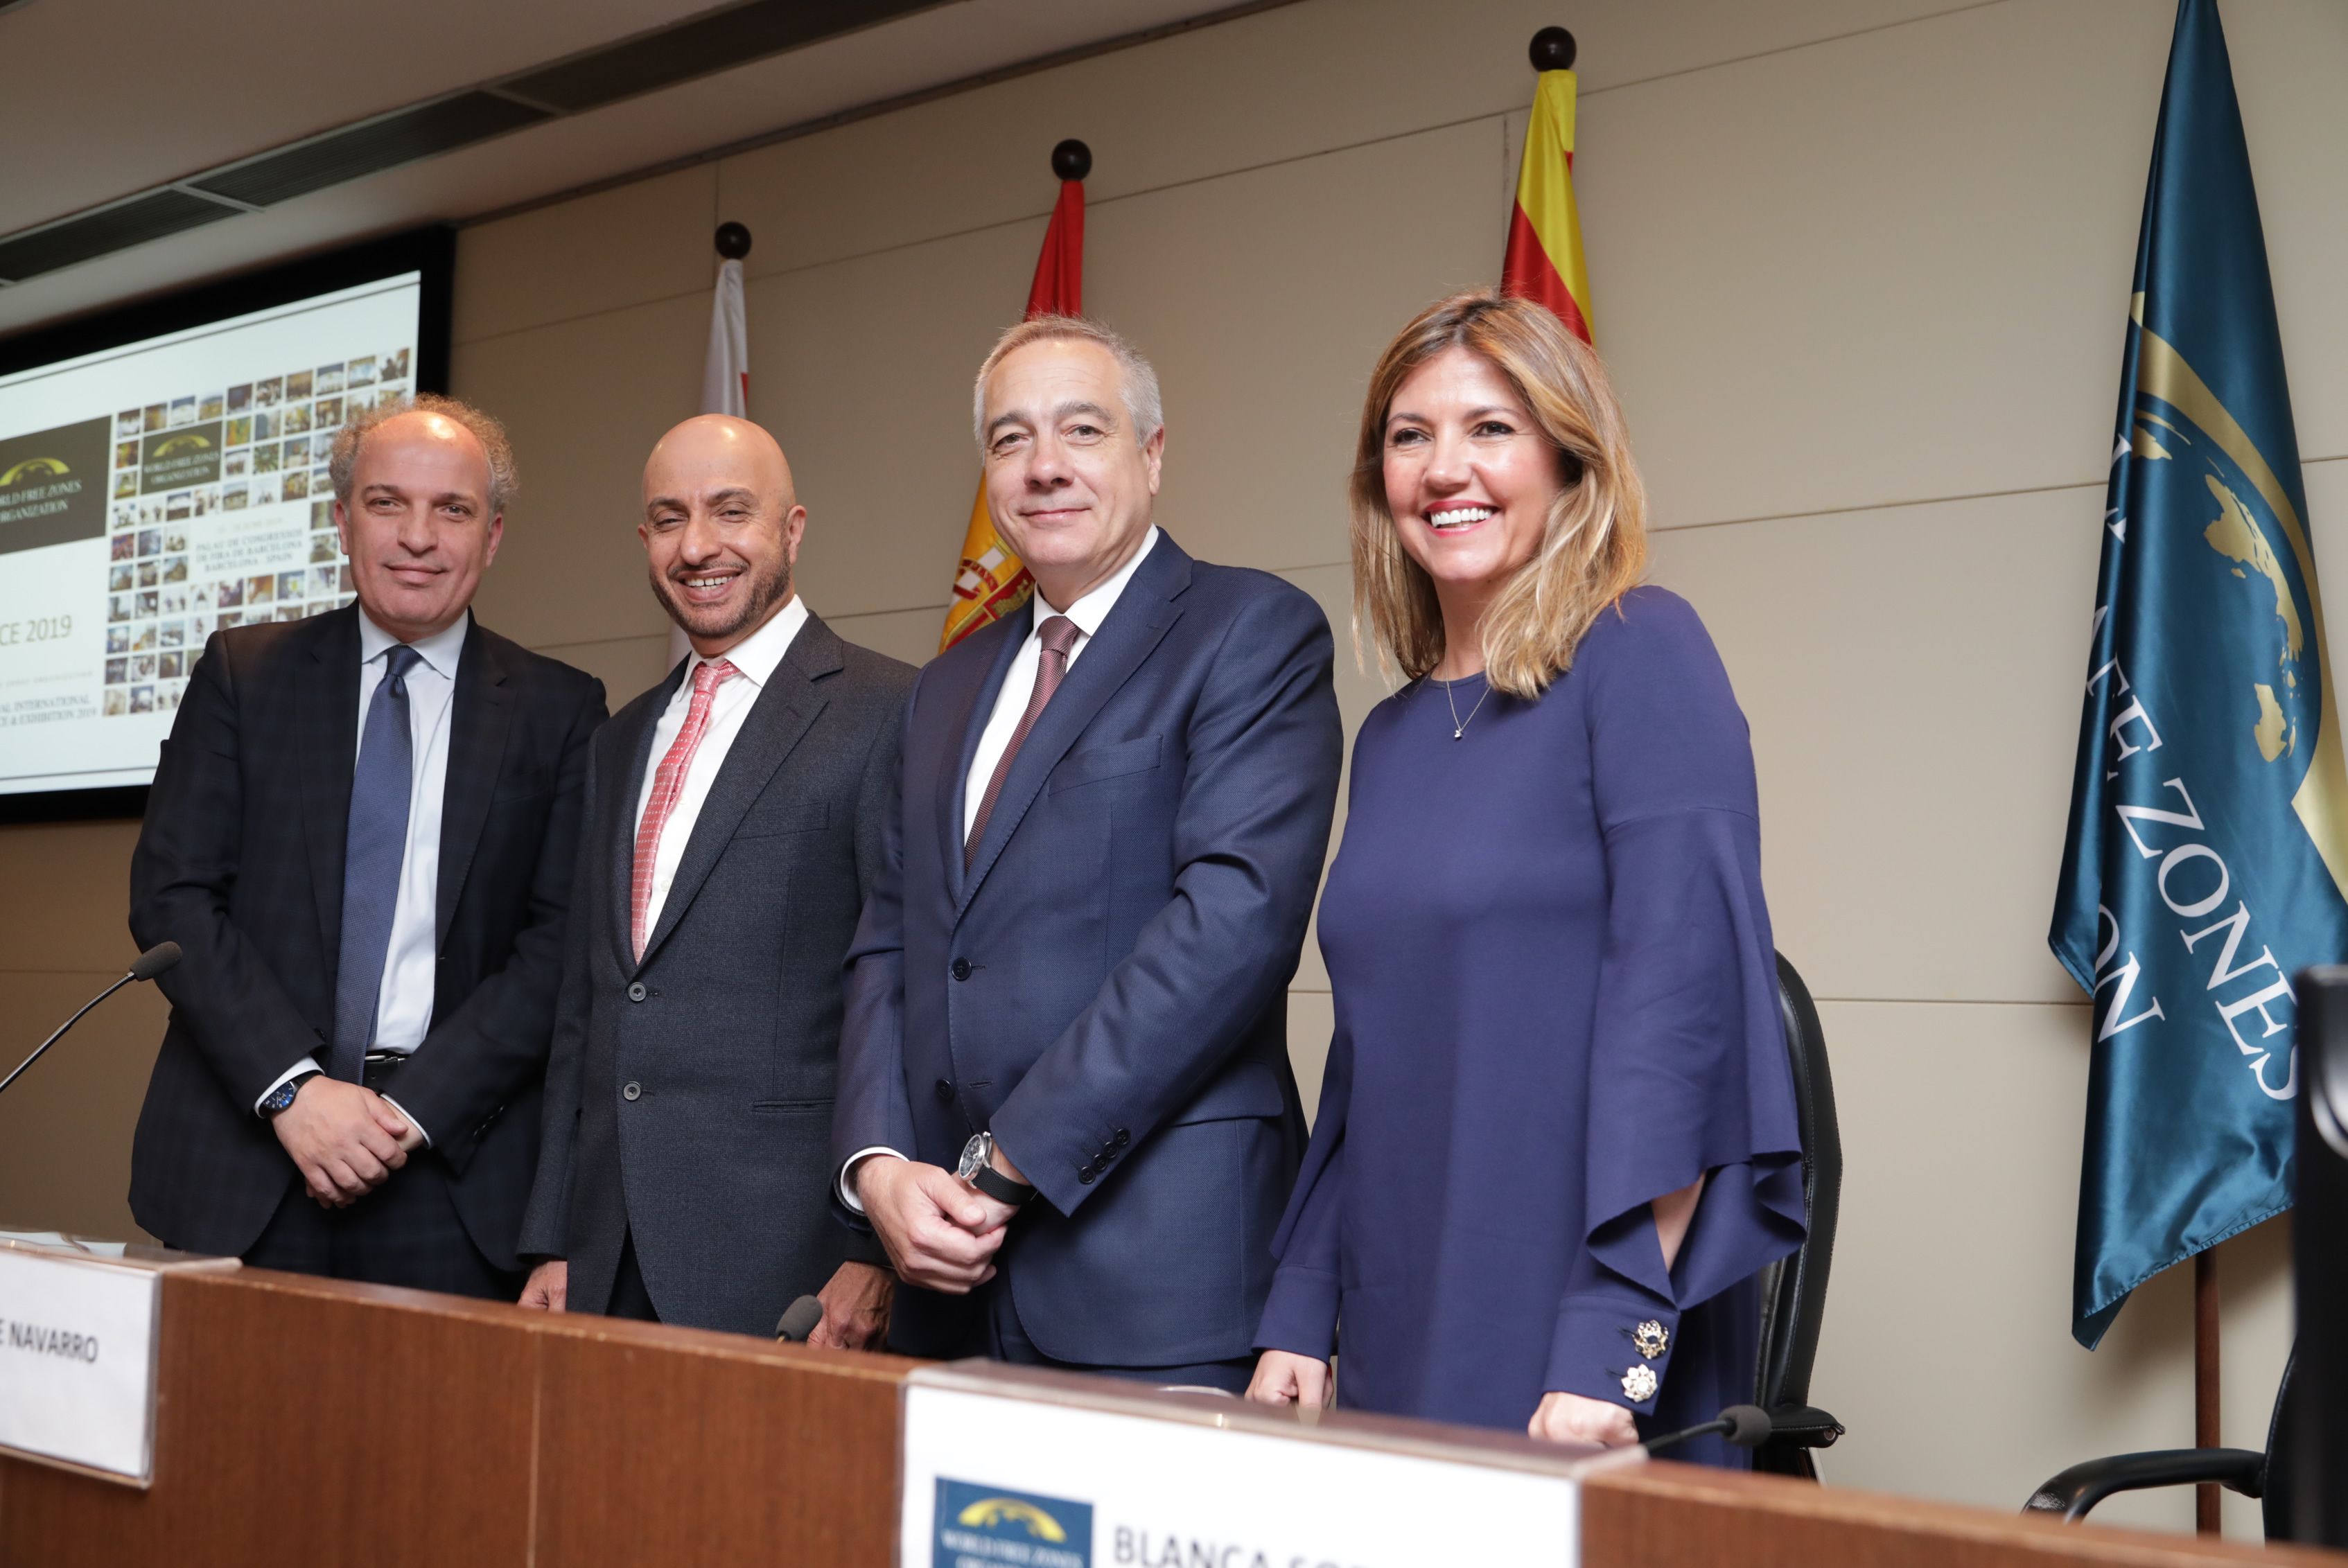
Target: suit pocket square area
796 817
1115 760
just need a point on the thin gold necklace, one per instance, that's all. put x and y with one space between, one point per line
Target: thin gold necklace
1458 725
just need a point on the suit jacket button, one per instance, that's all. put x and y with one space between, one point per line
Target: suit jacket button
631 1092
944 1093
961 968
1085 1176
635 991
1123 1138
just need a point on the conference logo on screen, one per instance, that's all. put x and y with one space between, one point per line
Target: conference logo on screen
988 1527
53 486
175 459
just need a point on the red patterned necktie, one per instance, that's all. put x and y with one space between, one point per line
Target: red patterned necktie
668 783
1058 635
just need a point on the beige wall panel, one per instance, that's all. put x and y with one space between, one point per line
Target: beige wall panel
1947 1347
65 1126
1891 267
71 903
1912 677
626 665
1288 82
2287 60
1264 299
862 370
910 635
1311 1016
620 247
583 401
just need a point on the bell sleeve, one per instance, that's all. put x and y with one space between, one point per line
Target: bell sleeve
1300 1313
1688 1074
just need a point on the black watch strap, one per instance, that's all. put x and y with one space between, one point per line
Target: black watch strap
999 1187
281 1097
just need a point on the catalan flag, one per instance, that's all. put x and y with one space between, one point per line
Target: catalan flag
1544 257
991 582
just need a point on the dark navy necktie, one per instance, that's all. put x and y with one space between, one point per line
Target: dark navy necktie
372 851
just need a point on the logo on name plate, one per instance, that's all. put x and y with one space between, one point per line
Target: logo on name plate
988 1527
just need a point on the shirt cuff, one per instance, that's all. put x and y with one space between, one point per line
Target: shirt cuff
411 1121
307 1064
846 1183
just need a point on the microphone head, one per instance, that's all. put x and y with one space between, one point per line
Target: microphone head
798 1320
1749 1425
163 956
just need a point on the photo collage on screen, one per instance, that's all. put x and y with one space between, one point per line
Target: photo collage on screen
184 470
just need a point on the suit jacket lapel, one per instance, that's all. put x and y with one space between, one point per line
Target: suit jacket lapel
620 822
1135 623
329 710
482 711
777 721
968 721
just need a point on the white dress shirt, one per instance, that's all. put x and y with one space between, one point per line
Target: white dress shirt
403 1009
755 657
1010 704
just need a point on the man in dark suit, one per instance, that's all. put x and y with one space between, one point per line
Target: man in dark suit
1066 1103
734 822
361 833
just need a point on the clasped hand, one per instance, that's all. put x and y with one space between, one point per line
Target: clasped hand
345 1139
941 1235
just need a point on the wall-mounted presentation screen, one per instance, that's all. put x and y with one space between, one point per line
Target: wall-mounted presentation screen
156 491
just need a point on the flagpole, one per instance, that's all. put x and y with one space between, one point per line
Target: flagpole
1552 49
2205 1381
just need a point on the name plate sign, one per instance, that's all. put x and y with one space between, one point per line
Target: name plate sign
1014 1468
78 1362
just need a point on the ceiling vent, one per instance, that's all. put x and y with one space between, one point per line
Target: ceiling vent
715 41
367 148
33 251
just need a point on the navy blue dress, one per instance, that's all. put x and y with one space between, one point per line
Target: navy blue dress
1556 1001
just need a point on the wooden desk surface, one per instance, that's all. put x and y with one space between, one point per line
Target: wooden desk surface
306 1421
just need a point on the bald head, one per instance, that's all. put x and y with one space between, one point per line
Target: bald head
721 529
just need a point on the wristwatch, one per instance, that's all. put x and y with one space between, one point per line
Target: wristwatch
977 1168
281 1097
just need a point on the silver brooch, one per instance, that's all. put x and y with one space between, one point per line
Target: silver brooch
1650 1338
1639 1385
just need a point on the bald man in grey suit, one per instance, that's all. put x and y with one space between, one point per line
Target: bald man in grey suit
733 820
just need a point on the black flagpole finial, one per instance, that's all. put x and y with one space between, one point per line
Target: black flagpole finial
1553 50
733 241
1072 159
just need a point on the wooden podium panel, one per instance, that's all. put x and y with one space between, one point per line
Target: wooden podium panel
1645 1516
306 1421
310 1421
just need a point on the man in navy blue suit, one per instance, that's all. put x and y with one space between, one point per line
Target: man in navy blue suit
1064 1098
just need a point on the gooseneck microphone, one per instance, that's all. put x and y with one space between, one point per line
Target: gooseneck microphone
145 967
798 1320
1745 1426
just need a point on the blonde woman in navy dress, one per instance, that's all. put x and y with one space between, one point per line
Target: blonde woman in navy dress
1556 1135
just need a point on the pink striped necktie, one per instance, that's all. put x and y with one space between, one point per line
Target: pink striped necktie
668 783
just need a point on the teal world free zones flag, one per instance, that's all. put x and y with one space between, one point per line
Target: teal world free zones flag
2209 836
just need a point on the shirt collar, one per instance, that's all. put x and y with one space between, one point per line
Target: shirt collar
439 651
1089 611
757 655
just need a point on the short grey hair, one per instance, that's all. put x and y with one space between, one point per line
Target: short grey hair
484 428
1143 404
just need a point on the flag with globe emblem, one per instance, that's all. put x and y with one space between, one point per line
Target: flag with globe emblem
2208 836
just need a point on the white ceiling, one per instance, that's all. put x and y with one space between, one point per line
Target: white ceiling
131 94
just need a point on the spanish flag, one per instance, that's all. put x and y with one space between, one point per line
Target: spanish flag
1544 258
990 581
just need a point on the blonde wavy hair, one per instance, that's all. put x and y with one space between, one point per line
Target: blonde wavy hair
1594 549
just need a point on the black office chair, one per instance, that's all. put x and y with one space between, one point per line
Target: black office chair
1794 1289
2265 1476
